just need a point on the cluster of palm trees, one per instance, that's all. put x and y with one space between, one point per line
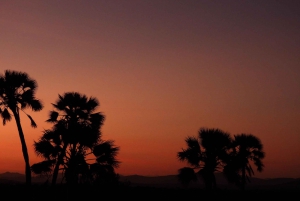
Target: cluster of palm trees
213 150
73 140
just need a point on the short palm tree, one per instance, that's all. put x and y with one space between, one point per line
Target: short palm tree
75 134
246 149
205 155
74 108
17 92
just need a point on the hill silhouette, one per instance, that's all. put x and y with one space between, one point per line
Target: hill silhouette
17 178
171 181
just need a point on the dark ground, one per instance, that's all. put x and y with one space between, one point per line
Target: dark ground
63 192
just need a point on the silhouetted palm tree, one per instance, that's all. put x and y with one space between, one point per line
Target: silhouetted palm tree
205 154
17 92
74 135
246 149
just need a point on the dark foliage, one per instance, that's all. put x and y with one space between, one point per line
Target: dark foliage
246 149
206 155
17 92
75 139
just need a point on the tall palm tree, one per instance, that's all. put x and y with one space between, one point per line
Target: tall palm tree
205 155
246 149
76 129
17 92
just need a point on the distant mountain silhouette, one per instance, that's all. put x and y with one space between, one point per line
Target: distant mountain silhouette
12 177
17 178
171 181
289 184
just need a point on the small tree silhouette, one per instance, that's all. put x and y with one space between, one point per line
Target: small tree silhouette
246 148
17 92
205 154
74 135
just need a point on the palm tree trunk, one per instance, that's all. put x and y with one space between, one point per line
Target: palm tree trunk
24 147
72 174
243 178
214 182
59 162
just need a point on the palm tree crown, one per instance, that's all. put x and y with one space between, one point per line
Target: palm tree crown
17 92
75 111
246 149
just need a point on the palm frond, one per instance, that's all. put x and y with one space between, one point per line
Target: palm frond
53 116
26 97
35 104
6 116
29 83
33 124
43 167
92 104
45 149
258 154
258 163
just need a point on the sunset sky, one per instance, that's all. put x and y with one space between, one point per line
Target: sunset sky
161 70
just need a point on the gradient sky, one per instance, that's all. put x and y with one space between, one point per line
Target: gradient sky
161 69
